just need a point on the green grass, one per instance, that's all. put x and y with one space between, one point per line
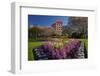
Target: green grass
31 45
86 42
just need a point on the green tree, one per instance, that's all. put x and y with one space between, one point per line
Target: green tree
34 32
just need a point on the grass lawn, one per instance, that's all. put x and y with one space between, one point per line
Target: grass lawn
31 45
86 42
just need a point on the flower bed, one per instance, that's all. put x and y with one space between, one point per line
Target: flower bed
59 49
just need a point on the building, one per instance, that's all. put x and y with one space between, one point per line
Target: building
58 27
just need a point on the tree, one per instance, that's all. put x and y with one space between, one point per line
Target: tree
79 25
34 32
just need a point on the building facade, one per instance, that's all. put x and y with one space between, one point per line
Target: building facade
58 27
